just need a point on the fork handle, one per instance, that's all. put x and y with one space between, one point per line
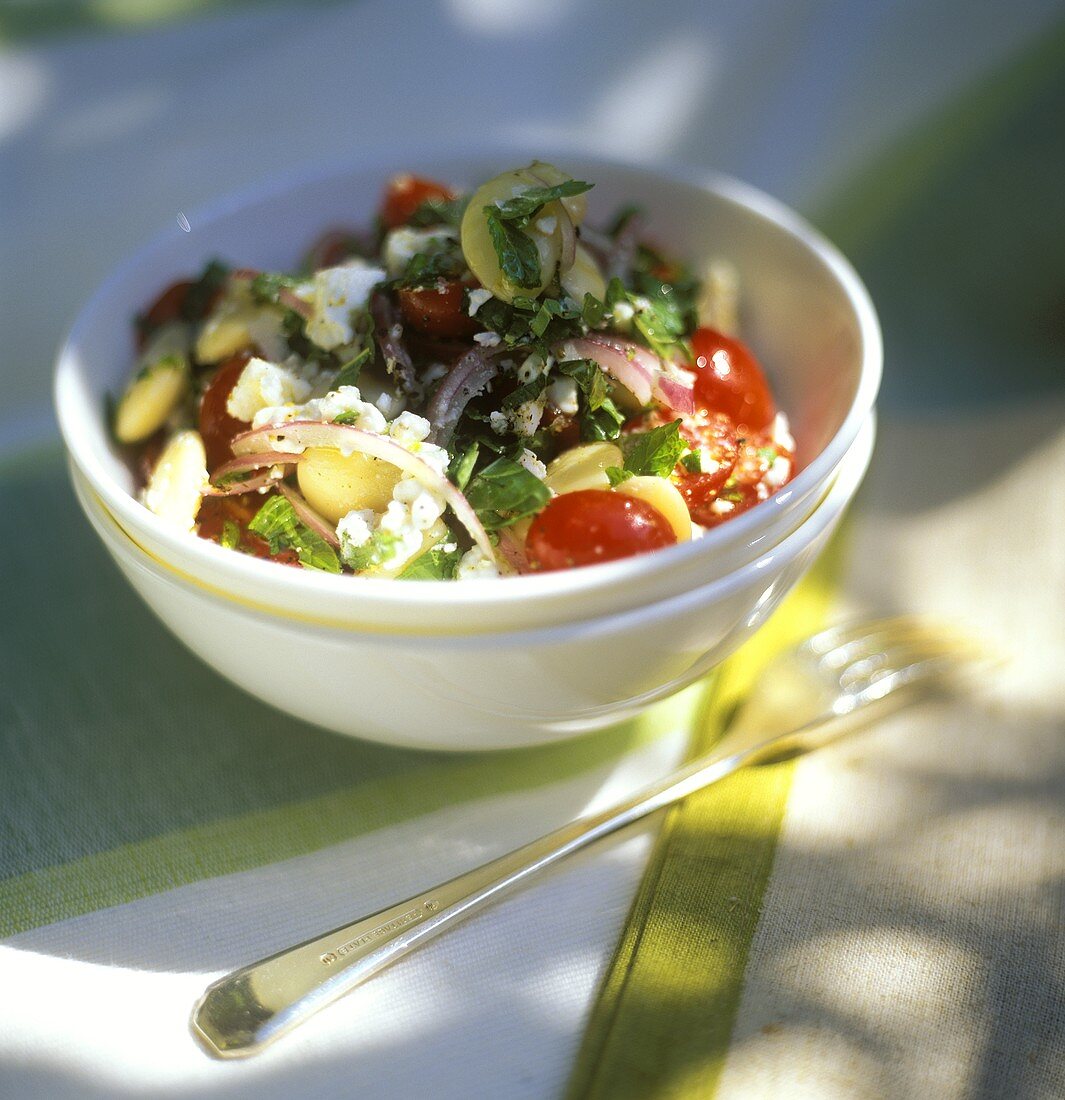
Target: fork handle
244 1011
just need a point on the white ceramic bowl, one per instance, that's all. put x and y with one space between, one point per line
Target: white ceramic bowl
478 691
805 313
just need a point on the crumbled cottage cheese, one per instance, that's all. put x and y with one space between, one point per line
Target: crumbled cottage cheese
263 384
334 295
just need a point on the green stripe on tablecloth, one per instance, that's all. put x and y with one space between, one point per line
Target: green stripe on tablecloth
22 20
666 1008
127 767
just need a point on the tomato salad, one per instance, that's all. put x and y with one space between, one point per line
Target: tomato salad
480 385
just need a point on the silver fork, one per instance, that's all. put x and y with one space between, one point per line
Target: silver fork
834 682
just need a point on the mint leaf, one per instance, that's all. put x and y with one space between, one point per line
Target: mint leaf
600 419
524 207
616 475
655 452
505 492
518 258
529 392
438 212
277 522
436 564
374 551
230 537
460 469
201 293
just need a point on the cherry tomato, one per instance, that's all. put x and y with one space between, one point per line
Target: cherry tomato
729 380
747 484
404 194
216 512
216 425
715 437
437 310
594 525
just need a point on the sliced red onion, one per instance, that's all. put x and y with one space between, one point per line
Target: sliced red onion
227 480
288 298
386 331
634 367
512 551
347 439
308 516
644 375
466 379
568 232
675 387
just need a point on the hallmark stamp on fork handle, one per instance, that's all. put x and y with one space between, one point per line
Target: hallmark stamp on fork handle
396 923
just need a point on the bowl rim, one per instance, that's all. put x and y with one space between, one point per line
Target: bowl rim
828 511
475 595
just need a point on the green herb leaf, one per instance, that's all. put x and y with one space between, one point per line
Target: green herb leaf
524 207
616 475
438 212
230 537
505 492
436 564
518 258
376 549
655 452
277 522
440 258
461 466
199 295
267 284
593 311
350 371
529 392
600 419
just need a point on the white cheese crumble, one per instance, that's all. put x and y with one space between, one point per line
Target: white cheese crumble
781 433
722 507
263 384
403 244
474 564
347 401
622 314
547 225
527 416
487 339
563 395
532 367
778 473
477 299
338 291
498 422
532 464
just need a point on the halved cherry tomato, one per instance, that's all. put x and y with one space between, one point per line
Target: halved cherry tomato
594 525
216 512
747 484
216 425
714 435
437 310
729 380
404 194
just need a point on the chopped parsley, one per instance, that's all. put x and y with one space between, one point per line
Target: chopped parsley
266 286
230 537
199 296
277 523
438 212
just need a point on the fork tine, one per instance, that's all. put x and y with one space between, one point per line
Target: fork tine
910 658
843 646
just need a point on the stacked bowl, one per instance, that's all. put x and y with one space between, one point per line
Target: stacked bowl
491 663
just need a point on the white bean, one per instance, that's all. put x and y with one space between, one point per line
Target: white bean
176 487
335 484
664 497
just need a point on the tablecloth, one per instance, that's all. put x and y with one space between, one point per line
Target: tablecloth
908 940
